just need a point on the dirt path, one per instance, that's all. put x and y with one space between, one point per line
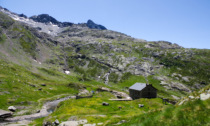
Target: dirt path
47 108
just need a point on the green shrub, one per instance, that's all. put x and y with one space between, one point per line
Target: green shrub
113 77
125 76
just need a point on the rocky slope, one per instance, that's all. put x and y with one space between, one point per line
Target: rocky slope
89 53
90 48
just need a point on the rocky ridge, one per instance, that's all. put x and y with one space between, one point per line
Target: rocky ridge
88 46
45 48
48 24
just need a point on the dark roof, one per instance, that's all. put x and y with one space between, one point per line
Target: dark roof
138 86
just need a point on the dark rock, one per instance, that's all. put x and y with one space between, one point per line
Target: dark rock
141 105
122 121
22 15
47 123
203 82
177 57
38 28
4 114
92 25
56 122
65 24
43 84
119 96
105 104
40 89
32 85
44 18
38 111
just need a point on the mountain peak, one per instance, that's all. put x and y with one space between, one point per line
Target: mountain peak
93 25
44 18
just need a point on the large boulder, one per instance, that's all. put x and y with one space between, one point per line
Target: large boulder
204 96
12 108
4 114
56 122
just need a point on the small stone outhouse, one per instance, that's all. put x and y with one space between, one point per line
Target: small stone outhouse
142 90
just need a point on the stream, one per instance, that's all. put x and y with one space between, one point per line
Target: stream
46 109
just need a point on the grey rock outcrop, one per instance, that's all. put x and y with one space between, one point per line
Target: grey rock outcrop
56 122
45 18
204 96
180 87
12 108
105 104
92 25
4 114
186 79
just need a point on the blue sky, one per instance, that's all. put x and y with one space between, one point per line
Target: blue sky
185 22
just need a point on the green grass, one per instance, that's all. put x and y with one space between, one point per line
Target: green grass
3 37
27 40
16 89
5 20
196 66
194 113
92 108
19 85
128 80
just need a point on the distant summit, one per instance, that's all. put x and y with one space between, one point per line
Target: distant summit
44 22
93 25
45 18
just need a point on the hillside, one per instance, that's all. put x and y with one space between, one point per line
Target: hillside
42 59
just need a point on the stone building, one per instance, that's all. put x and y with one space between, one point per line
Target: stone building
142 90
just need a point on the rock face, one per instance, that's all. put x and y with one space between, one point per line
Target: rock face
4 114
92 25
23 15
45 18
